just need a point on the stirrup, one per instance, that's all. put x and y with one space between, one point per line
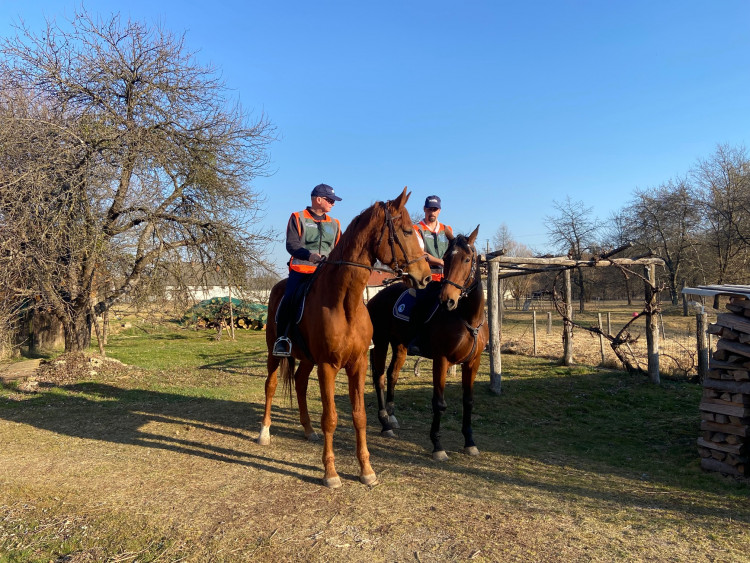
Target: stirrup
282 348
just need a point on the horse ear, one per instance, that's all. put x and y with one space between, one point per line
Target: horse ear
473 236
401 200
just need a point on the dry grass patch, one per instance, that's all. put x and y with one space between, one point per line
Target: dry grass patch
136 464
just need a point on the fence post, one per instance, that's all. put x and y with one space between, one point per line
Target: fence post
601 337
493 309
652 329
701 327
549 322
567 326
533 329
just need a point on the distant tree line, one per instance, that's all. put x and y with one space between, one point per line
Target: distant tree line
699 224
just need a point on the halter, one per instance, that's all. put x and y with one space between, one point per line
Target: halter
466 288
394 266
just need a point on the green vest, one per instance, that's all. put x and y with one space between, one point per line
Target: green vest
435 244
316 236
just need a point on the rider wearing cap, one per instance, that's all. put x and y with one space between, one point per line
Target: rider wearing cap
433 236
311 234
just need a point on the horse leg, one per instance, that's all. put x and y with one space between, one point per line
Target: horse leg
439 370
272 363
468 374
301 379
357 373
328 422
377 359
394 369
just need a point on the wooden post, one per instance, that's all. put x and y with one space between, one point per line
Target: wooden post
601 338
652 329
567 326
533 329
609 323
549 322
494 322
231 313
701 327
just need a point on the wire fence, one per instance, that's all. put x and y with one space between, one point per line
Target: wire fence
537 329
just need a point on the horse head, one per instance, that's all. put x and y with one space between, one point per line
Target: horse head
459 271
397 246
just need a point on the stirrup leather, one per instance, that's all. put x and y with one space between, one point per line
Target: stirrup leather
282 348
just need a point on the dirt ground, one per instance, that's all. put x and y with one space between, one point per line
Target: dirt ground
119 473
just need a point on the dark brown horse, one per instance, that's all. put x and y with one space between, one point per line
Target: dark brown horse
335 328
455 334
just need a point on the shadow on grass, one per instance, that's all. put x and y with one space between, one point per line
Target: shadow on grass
108 413
611 426
597 424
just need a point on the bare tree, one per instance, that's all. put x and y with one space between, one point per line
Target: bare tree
574 230
519 286
666 220
120 152
723 194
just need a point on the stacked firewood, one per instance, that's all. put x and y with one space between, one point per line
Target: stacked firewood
725 408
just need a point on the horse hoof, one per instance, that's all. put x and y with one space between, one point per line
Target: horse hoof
388 434
393 422
264 439
313 437
439 456
471 450
332 482
370 480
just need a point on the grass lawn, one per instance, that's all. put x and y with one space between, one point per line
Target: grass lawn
156 461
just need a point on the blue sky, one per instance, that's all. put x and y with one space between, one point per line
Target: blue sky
499 108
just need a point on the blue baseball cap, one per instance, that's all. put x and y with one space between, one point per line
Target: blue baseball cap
324 190
432 201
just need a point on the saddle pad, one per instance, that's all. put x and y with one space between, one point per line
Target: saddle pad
403 305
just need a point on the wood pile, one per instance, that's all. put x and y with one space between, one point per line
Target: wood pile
725 408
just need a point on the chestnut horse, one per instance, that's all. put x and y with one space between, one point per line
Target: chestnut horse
336 328
455 334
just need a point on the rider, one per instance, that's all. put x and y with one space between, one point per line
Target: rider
311 234
433 238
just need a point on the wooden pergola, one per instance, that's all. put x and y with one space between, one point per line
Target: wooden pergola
500 267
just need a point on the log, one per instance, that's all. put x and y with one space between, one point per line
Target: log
720 407
734 348
714 465
731 386
732 429
740 302
736 322
725 448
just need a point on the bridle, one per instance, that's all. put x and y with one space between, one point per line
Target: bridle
467 288
394 266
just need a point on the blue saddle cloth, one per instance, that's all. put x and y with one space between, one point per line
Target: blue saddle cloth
403 308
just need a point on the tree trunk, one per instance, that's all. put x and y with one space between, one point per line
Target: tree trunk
582 294
78 328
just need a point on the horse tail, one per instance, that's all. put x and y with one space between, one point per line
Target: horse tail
286 367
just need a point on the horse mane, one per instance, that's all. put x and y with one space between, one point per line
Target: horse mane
462 241
348 237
